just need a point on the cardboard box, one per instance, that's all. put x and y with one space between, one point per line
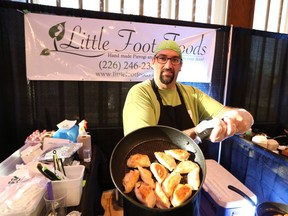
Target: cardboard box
72 186
218 200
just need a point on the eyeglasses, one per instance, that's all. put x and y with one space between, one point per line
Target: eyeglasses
161 59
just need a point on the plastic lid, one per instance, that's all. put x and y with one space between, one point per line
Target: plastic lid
216 185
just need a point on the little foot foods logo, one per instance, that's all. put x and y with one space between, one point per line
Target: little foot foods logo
57 33
80 42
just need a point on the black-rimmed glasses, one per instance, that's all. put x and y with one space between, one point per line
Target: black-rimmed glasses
161 59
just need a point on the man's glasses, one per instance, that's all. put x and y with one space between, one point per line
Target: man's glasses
162 59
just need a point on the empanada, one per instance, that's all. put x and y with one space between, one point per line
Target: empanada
145 194
165 159
159 171
170 183
181 193
185 167
138 160
130 180
178 154
193 178
162 200
146 176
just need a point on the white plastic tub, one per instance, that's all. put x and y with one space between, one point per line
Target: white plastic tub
72 186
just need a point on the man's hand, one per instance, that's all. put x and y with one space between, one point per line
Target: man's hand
234 121
221 129
241 118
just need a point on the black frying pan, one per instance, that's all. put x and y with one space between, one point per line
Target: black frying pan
271 209
148 140
265 208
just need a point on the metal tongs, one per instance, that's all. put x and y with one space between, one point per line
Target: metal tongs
58 163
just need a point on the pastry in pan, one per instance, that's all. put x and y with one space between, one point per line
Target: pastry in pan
185 167
146 176
178 154
159 171
138 160
145 194
193 178
130 180
166 160
181 193
162 200
170 183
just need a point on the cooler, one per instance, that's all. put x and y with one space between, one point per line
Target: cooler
218 200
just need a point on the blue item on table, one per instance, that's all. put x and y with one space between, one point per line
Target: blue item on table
70 134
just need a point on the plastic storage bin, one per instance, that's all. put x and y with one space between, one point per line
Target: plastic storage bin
218 200
72 186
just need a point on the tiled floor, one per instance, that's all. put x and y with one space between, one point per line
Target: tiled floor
110 205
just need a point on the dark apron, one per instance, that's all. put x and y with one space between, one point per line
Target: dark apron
176 117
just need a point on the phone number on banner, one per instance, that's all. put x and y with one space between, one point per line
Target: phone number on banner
125 65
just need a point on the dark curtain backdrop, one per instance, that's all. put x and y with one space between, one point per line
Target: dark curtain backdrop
257 81
259 78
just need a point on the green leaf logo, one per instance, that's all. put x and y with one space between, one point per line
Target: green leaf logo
57 31
45 52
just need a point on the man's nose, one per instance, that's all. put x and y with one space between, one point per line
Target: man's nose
168 64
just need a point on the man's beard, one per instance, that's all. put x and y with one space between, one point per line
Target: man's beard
168 80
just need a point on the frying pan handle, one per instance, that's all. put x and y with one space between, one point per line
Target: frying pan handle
231 187
200 136
205 133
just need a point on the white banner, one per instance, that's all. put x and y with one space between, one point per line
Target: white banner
72 48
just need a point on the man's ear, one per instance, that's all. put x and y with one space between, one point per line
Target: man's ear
153 62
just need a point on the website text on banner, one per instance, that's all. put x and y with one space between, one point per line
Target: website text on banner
71 48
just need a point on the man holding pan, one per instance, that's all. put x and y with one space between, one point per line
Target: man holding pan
163 101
